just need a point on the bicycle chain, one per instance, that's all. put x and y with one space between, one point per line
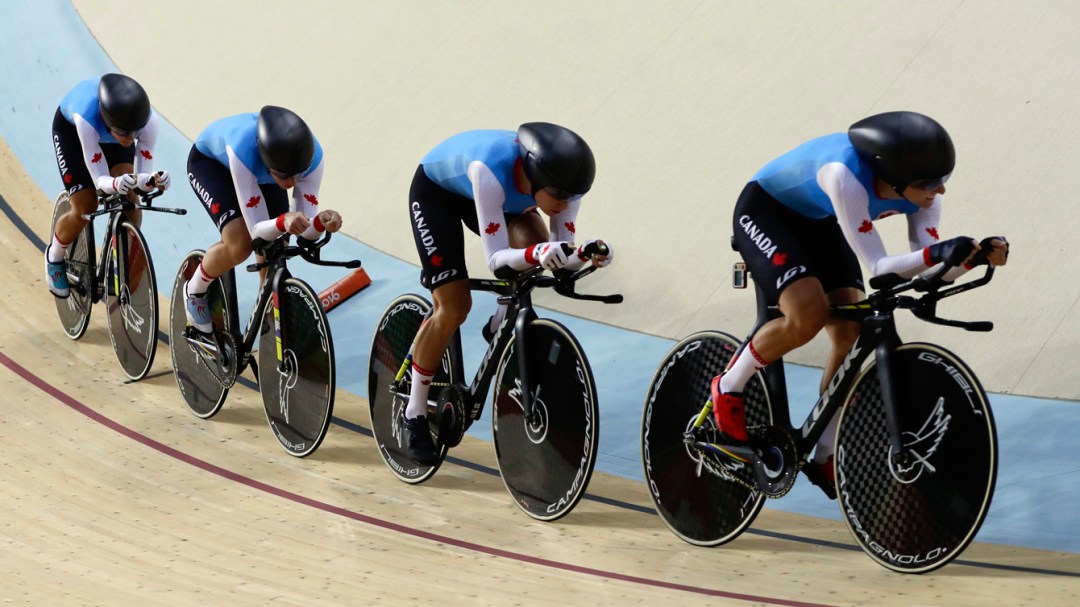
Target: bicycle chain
225 384
730 475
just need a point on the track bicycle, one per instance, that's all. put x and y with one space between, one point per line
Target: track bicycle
916 447
122 275
295 349
545 416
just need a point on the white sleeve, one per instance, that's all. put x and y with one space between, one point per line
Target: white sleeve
144 146
306 198
851 202
489 197
923 232
93 157
563 228
250 198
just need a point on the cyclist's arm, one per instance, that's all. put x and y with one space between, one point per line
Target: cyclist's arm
306 200
851 203
489 196
923 232
563 228
93 157
144 145
252 204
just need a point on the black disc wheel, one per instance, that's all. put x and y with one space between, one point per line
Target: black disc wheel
389 382
546 458
131 300
916 510
204 365
74 310
697 497
296 362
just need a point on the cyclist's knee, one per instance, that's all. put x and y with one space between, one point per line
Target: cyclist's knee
805 323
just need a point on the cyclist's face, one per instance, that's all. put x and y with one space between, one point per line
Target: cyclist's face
284 182
923 198
551 203
124 138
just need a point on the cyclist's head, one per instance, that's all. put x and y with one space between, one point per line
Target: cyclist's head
905 149
123 104
286 144
556 157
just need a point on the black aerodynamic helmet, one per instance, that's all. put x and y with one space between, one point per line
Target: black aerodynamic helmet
905 149
286 144
555 156
122 102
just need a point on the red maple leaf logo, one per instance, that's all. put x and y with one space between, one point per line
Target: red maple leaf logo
312 199
570 226
215 207
933 233
67 178
436 260
492 228
146 154
254 201
96 159
866 227
779 259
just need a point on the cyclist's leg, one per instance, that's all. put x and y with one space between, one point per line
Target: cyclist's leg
772 240
436 218
79 185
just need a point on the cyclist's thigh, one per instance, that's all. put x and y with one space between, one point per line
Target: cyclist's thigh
69 158
277 199
436 216
834 261
770 239
213 186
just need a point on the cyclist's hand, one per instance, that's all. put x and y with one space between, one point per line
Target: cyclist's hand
598 251
330 221
144 182
993 251
953 252
122 184
551 255
295 222
161 180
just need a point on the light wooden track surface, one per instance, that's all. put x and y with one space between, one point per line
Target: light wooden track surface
115 494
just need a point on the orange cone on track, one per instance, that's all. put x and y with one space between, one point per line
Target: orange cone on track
343 289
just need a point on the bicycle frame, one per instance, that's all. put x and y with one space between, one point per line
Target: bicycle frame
877 335
115 207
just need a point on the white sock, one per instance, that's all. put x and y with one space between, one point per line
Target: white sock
57 250
421 384
826 445
497 318
200 281
746 365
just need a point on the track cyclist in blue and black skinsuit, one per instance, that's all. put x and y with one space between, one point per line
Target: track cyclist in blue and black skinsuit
241 167
493 182
104 133
804 223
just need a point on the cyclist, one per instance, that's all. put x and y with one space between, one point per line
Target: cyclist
493 182
805 221
241 167
109 124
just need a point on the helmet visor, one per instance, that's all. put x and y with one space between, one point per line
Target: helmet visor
930 184
560 194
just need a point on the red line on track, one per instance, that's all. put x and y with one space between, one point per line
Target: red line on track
87 411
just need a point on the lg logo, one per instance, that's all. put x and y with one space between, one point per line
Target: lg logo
792 273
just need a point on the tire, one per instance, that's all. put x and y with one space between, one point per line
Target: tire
698 502
131 301
916 518
546 465
297 382
74 311
203 392
393 337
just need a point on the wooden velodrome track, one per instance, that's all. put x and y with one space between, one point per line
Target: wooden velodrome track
116 495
